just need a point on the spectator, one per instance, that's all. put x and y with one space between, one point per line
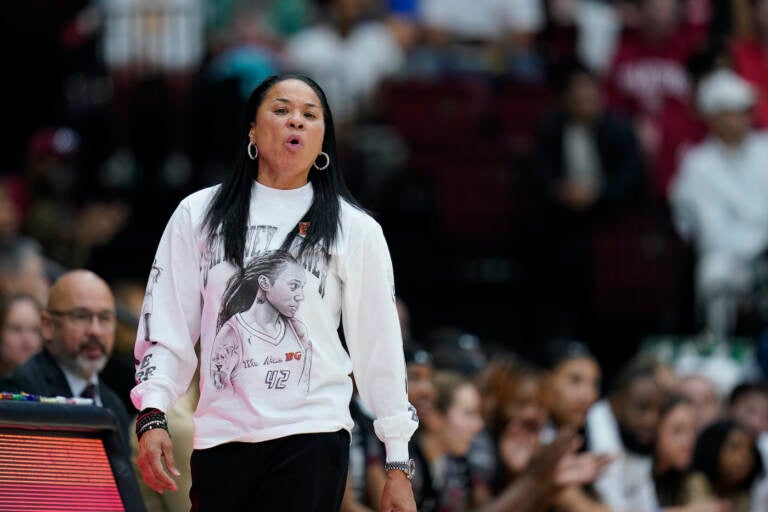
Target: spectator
701 392
346 55
19 331
588 166
464 38
718 199
750 58
78 330
571 387
571 384
648 66
587 156
440 450
22 269
626 426
726 464
676 436
748 405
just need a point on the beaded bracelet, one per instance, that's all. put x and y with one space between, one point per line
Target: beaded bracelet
150 419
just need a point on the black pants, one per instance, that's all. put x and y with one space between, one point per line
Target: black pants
301 473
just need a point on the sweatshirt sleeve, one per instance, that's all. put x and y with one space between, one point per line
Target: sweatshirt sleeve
170 318
372 332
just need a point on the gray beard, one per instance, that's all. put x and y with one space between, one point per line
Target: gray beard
81 365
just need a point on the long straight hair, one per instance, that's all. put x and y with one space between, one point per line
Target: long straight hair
231 204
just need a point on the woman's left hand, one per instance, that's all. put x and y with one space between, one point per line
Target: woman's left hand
398 494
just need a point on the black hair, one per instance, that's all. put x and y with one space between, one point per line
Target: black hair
231 204
415 354
558 351
243 287
747 388
639 368
671 402
706 455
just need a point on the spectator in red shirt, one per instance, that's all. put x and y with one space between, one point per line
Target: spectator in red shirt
750 59
649 66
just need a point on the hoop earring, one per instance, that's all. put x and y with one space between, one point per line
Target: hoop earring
327 162
250 154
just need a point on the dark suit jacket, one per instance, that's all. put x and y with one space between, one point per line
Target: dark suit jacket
41 375
617 148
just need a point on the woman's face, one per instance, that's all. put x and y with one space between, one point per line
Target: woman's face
463 420
736 457
288 132
287 291
676 438
421 390
21 334
573 388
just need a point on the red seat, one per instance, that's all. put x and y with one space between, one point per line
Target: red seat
478 199
433 113
640 269
520 108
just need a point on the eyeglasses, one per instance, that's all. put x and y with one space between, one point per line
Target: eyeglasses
83 318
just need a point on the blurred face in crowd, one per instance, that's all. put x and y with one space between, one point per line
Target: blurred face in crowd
288 131
21 337
751 410
736 457
526 416
79 324
731 126
584 102
462 421
660 17
703 395
572 388
676 438
525 404
637 410
421 391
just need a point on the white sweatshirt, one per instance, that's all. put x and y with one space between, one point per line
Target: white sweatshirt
272 364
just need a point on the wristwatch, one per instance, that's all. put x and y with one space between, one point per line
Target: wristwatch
408 467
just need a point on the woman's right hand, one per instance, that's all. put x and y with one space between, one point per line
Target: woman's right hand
156 448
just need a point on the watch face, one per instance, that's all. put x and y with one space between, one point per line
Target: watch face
411 469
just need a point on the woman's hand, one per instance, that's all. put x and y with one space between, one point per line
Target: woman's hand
398 494
155 447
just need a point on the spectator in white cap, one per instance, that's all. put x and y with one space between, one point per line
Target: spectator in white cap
718 199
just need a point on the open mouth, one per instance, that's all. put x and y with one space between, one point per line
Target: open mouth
293 142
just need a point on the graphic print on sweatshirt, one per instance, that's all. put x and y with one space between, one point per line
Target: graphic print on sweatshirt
148 304
260 340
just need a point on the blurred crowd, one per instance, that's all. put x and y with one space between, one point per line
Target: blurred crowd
544 170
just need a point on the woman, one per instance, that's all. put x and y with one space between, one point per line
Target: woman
264 438
675 440
571 387
20 336
726 464
443 482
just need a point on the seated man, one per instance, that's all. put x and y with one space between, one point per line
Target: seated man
78 330
718 198
626 425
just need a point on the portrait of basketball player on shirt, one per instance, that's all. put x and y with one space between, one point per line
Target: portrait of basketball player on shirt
258 326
